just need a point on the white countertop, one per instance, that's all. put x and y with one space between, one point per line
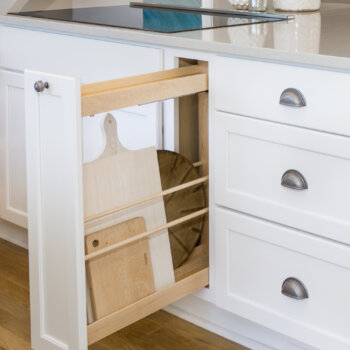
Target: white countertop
320 38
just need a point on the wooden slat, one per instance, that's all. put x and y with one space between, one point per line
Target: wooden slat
121 93
146 234
103 86
147 306
146 199
203 130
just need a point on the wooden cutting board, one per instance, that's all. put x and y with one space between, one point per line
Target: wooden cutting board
120 176
175 170
123 276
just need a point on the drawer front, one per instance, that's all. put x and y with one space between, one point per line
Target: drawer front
326 94
253 156
254 258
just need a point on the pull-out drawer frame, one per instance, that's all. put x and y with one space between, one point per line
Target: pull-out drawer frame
56 218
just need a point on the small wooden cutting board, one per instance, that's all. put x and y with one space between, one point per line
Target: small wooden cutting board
123 276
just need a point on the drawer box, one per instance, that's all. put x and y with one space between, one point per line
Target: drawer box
252 156
326 93
57 254
254 258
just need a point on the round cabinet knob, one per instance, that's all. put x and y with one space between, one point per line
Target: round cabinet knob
40 86
294 179
294 288
292 98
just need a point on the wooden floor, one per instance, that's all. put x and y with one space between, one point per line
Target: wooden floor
160 331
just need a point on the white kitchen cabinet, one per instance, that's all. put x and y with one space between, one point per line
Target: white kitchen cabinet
138 127
13 198
291 282
282 158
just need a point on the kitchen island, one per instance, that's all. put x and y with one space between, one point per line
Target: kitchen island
278 132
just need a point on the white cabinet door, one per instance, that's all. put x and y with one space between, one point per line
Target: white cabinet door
55 213
13 198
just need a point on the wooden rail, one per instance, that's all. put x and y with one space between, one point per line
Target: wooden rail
146 234
121 93
146 199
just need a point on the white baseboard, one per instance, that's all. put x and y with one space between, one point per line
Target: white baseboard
206 315
14 234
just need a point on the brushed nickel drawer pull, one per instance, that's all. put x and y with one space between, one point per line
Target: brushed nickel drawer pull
294 288
294 180
292 98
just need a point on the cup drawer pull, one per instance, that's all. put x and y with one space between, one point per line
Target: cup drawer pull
293 288
292 98
294 179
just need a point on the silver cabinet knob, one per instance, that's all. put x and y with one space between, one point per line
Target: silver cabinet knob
40 86
294 180
294 288
292 98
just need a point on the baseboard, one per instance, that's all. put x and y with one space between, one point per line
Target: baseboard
253 336
14 234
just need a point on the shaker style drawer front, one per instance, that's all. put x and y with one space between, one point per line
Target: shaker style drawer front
310 98
296 177
291 282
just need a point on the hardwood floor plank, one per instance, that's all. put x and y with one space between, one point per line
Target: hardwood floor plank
15 325
15 274
14 307
201 336
16 292
9 341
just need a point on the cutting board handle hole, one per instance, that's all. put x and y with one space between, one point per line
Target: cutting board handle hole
95 243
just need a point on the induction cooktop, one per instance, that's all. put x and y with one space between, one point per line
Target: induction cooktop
150 18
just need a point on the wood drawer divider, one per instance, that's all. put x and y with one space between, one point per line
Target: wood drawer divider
141 89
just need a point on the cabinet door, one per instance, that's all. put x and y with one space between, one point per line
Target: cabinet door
55 213
13 198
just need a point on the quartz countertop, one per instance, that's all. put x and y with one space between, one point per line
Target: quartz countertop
320 38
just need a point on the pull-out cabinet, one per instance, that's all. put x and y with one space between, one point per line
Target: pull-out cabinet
56 215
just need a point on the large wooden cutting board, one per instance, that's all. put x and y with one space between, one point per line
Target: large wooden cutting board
120 277
120 176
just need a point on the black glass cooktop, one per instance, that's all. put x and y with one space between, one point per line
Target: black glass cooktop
157 20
